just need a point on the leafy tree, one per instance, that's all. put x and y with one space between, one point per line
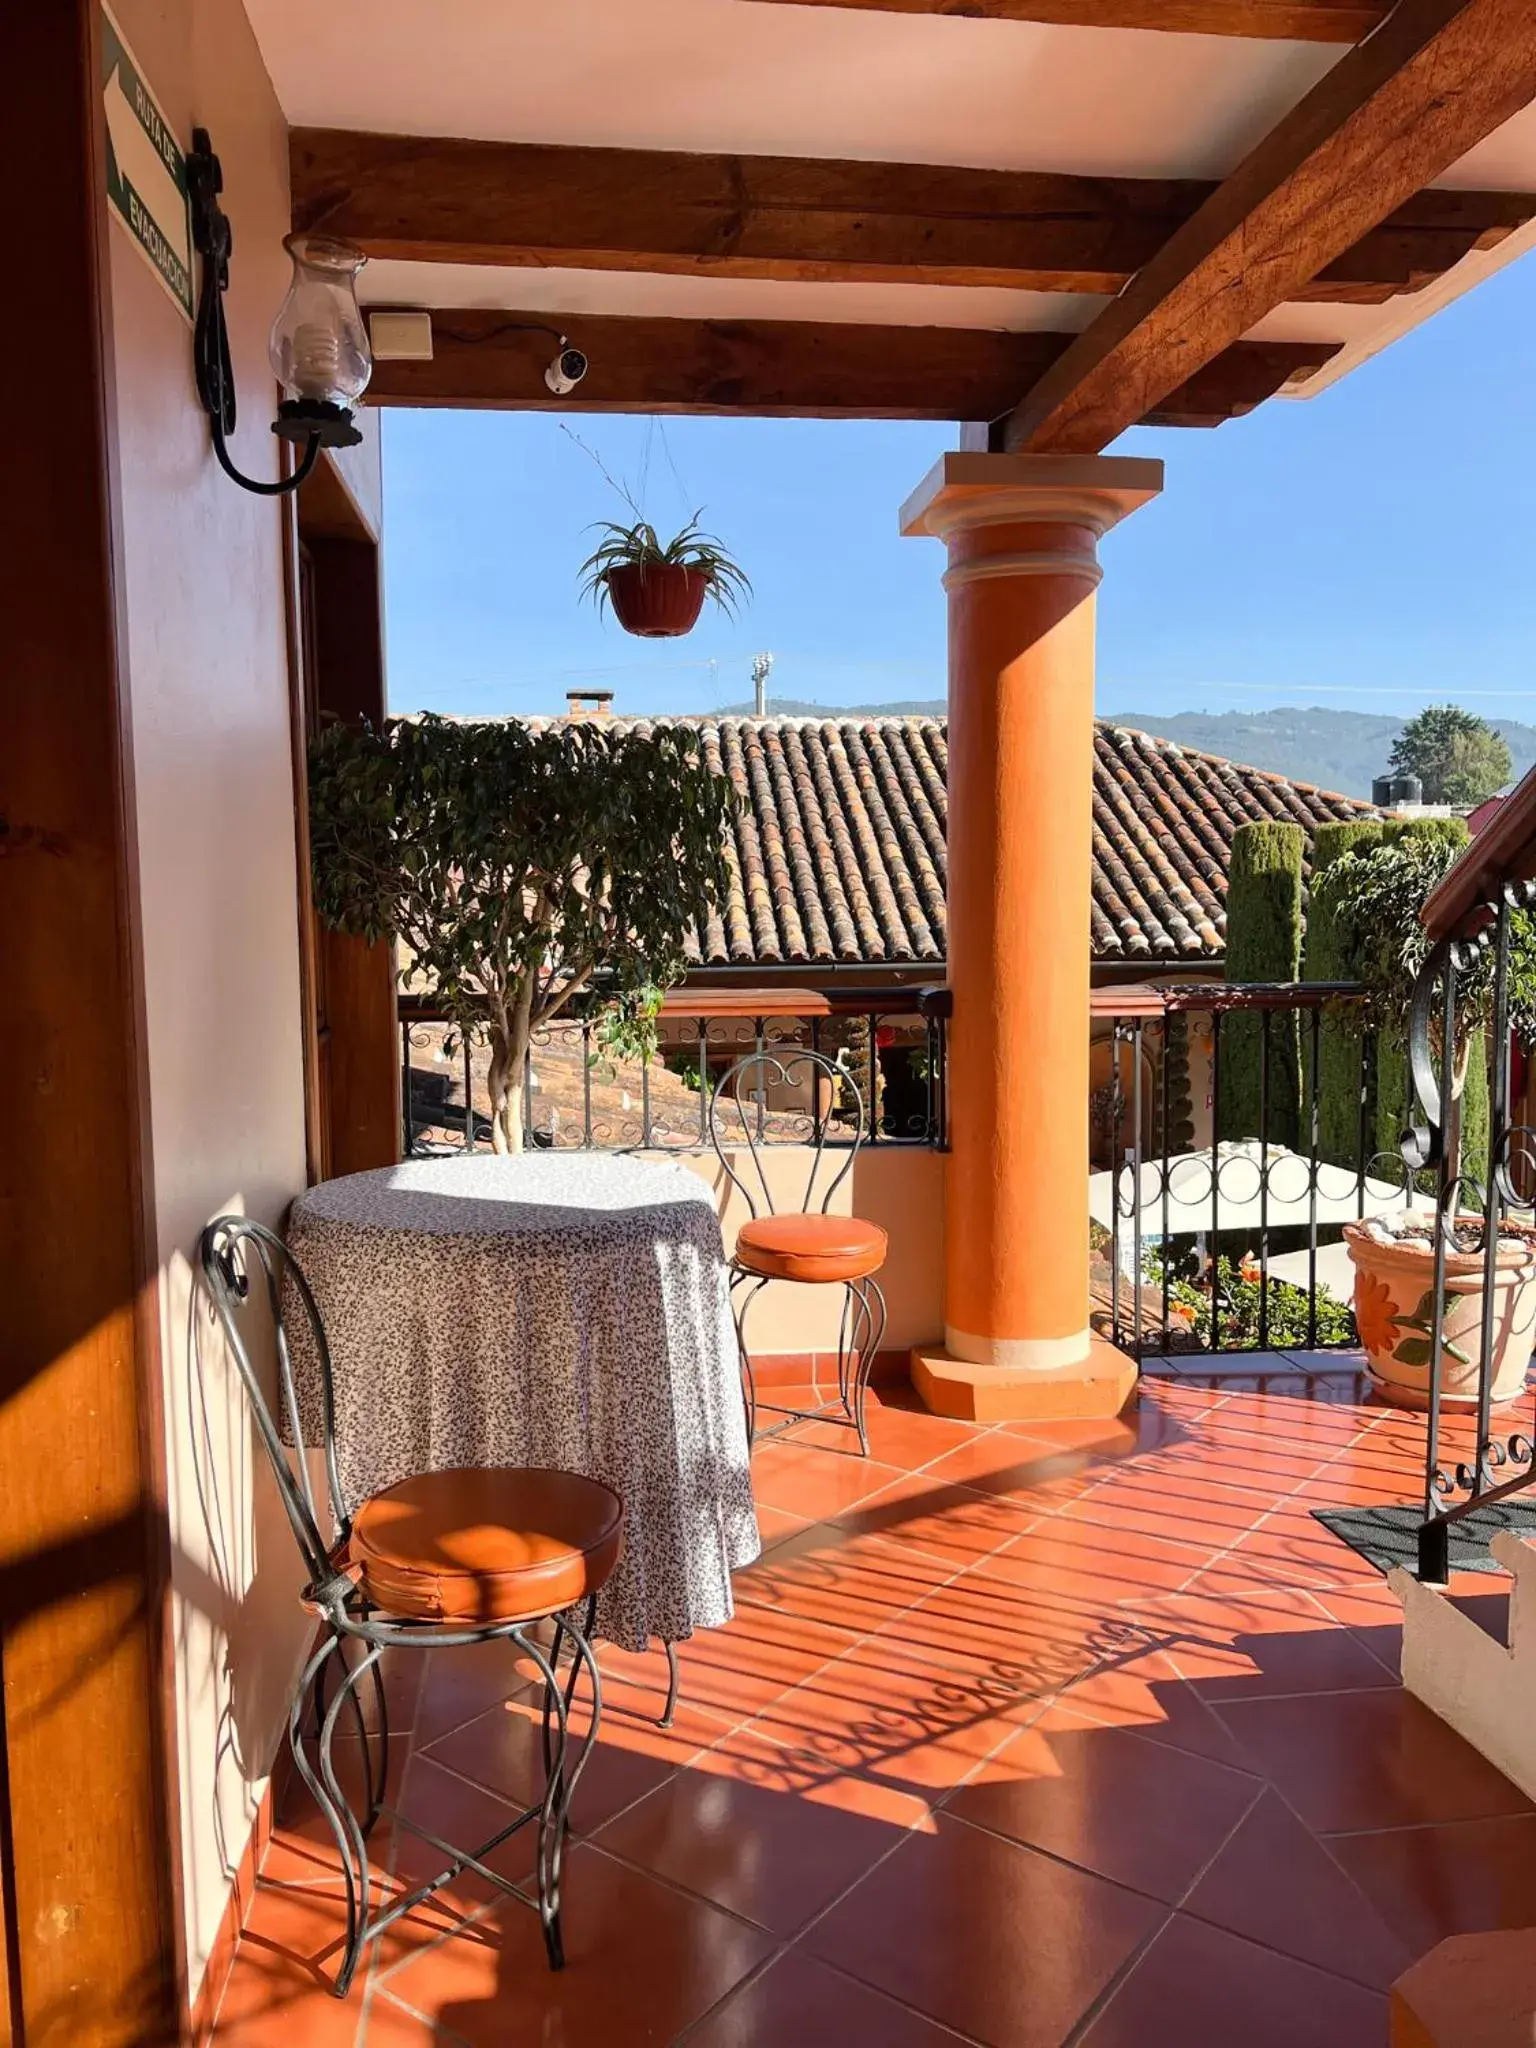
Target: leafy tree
1374 900
1457 756
521 868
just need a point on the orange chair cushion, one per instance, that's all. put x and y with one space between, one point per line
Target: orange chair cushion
811 1247
481 1546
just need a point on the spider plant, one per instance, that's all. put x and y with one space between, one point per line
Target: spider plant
640 547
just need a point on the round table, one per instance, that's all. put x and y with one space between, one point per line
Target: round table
562 1310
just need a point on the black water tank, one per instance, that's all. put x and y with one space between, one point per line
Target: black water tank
1389 791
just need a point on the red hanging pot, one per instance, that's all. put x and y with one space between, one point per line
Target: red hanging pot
657 600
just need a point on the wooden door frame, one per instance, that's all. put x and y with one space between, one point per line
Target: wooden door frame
90 1848
351 1025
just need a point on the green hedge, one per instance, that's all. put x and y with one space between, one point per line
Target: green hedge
1263 944
1339 1048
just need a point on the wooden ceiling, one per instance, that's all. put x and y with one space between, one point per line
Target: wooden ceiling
1333 206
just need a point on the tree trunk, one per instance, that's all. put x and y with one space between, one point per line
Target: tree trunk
506 1080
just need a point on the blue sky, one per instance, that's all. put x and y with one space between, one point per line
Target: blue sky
1373 549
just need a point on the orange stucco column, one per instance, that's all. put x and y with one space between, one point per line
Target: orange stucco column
1022 536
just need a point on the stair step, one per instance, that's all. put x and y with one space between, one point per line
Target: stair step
1490 1611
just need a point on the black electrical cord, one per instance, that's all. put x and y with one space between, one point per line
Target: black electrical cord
211 363
502 327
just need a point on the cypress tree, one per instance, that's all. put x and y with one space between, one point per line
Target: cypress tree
1263 944
1340 1049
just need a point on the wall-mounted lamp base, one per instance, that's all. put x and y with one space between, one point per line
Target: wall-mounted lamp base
333 426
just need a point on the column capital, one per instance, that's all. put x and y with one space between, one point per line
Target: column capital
963 491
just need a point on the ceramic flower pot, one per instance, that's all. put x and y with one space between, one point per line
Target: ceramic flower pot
1394 1308
657 600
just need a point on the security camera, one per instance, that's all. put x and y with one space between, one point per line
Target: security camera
566 371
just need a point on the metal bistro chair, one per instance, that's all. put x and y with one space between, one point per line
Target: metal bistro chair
439 1561
808 1245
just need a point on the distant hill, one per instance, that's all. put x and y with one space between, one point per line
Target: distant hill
1339 750
796 707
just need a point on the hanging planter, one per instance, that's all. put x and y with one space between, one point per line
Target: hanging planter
658 591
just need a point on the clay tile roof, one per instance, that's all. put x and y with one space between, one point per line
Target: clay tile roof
838 853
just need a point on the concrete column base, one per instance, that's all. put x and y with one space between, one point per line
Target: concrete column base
1097 1385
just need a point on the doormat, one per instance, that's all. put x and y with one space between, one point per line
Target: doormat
1388 1536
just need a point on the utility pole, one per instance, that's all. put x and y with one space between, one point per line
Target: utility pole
761 665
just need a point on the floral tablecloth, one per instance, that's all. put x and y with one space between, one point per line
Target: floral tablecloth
542 1310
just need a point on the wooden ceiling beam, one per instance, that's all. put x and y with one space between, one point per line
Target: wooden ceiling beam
510 203
785 368
1393 113
1305 21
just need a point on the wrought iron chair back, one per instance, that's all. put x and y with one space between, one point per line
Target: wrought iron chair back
751 1113
234 1250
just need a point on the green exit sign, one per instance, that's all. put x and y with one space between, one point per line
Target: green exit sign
146 169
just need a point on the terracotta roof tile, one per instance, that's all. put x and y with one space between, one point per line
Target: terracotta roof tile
839 852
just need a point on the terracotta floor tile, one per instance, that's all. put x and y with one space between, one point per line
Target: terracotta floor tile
1346 1359
463 1814
1246 1644
1196 1984
1143 1691
956 1525
277 1993
834 1575
643 1962
502 1751
302 1849
995 1940
1277 1884
798 2002
1372 1614
1464 1878
992 1702
902 1437
1190 1508
391 2025
897 1717
731 1829
1033 1475
774 1524
1368 1759
738 1670
1151 1422
1239 1457
1290 1547
1106 1800
459 1685
813 1482
1019 1634
1285 1414
403 1672
1091 1561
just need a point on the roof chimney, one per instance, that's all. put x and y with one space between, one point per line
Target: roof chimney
581 704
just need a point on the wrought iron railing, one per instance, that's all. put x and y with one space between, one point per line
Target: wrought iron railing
891 1042
1479 1449
1236 1133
